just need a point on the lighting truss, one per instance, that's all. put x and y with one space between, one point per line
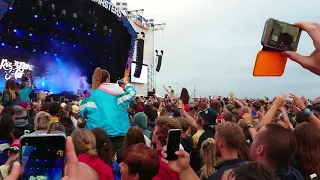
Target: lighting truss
134 13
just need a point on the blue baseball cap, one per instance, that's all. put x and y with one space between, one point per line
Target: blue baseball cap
209 115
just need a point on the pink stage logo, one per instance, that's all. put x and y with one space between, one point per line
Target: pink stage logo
14 69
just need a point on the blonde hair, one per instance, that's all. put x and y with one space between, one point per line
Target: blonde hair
56 126
99 76
42 121
11 89
81 123
84 142
41 96
208 155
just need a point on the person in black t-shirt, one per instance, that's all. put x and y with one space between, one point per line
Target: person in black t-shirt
208 121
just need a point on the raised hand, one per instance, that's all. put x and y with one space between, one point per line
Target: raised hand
280 101
298 101
179 165
311 62
232 96
247 117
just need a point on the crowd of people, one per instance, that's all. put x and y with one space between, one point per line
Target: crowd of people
112 134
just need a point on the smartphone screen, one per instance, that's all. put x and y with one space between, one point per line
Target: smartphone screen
281 36
173 143
42 157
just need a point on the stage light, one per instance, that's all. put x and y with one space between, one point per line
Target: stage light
10 8
40 3
30 34
2 44
17 47
157 52
91 63
36 16
57 23
14 30
63 43
55 54
64 13
52 7
161 52
45 52
51 39
34 50
74 45
89 34
72 28
42 84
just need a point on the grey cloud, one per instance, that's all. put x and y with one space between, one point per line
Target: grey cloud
213 45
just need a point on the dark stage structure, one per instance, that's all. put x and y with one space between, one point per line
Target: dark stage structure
63 41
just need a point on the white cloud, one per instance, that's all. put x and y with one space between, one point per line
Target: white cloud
213 44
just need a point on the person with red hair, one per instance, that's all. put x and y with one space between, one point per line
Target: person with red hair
139 162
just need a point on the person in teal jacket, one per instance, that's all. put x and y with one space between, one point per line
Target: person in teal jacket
105 106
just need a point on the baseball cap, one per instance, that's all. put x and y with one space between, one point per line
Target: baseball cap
20 112
209 115
14 146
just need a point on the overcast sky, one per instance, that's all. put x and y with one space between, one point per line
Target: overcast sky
212 44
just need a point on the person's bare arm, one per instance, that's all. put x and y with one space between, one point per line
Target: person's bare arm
29 82
181 165
311 62
235 100
166 89
247 117
313 119
286 117
267 118
188 174
192 122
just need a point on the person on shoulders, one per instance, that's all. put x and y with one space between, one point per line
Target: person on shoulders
25 90
105 106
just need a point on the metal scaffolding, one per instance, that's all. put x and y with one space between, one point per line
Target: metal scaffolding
155 27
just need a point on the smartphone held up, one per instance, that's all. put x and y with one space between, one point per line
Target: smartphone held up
42 156
173 143
277 37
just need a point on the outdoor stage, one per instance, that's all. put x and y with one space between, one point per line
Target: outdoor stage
63 41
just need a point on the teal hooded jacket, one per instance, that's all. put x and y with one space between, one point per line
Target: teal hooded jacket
106 108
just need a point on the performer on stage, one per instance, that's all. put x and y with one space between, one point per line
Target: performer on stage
81 85
105 106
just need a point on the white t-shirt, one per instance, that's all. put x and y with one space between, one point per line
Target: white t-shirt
75 122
